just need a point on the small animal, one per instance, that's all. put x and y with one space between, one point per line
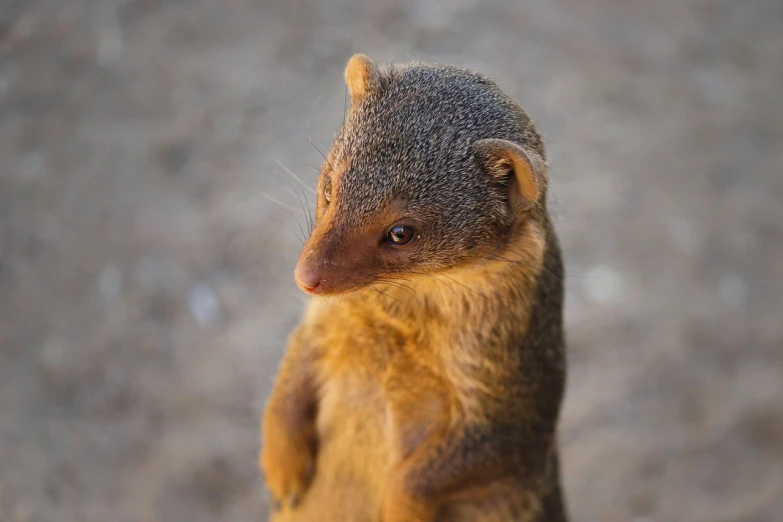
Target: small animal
425 380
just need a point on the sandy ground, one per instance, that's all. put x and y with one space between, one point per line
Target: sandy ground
146 273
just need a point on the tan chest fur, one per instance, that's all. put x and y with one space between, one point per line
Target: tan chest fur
374 371
387 381
376 401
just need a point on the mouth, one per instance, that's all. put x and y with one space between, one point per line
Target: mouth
312 288
327 286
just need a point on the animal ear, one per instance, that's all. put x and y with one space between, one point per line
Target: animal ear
362 77
522 170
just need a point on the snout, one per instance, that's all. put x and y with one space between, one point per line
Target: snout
334 262
308 277
318 276
325 278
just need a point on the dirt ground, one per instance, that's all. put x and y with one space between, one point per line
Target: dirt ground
148 239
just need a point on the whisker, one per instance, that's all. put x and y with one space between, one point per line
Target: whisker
377 292
284 205
386 295
440 281
293 192
310 112
528 265
570 275
399 285
301 239
321 153
481 294
477 292
443 298
291 173
309 213
288 225
304 211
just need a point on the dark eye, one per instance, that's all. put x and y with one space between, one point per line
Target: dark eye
328 191
399 235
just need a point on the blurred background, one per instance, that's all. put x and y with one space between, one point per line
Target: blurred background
148 237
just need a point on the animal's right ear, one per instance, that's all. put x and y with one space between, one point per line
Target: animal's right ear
362 77
523 172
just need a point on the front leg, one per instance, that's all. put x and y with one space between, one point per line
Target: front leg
289 444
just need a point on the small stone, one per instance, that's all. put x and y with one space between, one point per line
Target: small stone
149 272
733 291
685 234
53 359
203 303
109 42
174 156
21 514
8 76
32 166
110 282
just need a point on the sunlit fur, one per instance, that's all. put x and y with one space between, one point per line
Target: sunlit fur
426 384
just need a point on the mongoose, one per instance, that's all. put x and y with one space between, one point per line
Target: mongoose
425 380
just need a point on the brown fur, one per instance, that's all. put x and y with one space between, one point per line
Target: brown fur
421 392
361 77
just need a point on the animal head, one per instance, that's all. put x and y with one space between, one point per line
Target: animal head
434 169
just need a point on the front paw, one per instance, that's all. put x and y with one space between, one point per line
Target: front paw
287 460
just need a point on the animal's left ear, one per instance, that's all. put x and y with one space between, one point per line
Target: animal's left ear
362 77
522 170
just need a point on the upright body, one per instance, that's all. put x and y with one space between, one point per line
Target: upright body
425 380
